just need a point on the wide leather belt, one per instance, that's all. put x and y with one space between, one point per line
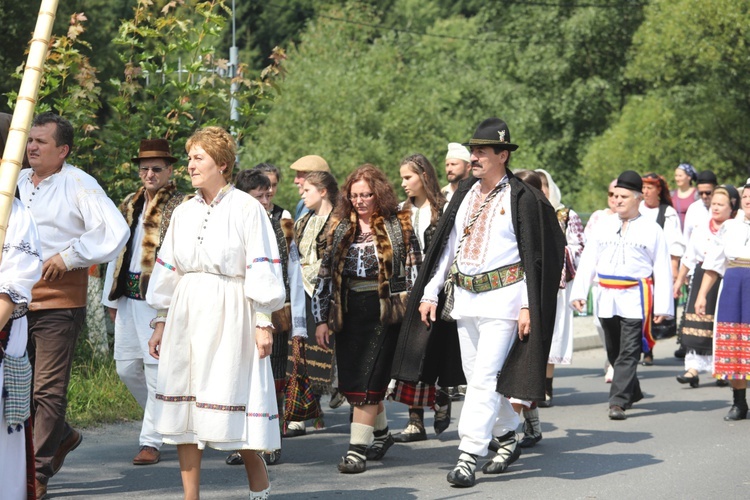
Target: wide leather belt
491 280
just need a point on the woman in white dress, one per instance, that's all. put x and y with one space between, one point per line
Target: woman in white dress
218 281
20 269
561 351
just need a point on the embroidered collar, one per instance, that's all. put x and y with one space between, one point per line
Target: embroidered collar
220 196
501 184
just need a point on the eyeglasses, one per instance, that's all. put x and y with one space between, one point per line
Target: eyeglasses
156 170
610 194
705 193
363 196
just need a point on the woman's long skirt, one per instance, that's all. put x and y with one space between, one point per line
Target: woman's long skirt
364 350
696 331
732 335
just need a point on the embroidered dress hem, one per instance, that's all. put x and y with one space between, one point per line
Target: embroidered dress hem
732 335
210 341
697 331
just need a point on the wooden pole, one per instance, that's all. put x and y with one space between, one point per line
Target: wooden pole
24 111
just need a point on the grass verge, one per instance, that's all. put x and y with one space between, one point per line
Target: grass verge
96 395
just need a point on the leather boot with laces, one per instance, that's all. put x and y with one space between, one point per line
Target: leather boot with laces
414 432
532 429
463 474
508 452
442 412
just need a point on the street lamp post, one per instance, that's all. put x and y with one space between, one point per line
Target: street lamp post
233 62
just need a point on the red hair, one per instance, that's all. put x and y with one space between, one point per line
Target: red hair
386 203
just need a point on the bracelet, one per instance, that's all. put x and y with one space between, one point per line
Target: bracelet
428 301
158 319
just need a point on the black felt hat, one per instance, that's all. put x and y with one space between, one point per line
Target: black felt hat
707 177
630 179
492 132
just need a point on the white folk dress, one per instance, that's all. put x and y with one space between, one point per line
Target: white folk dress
218 268
20 268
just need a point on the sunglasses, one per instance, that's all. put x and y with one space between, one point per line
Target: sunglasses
156 170
705 193
363 196
610 194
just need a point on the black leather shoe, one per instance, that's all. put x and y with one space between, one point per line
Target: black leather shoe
273 457
378 452
351 464
295 429
648 360
234 458
680 353
616 413
462 475
414 432
736 413
507 453
693 380
547 401
442 418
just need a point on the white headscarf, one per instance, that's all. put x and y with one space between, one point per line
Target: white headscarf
554 192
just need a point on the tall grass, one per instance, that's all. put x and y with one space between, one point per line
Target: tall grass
96 395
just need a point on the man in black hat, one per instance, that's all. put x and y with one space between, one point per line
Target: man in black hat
147 212
629 257
499 243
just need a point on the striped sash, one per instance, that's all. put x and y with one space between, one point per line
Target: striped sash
646 286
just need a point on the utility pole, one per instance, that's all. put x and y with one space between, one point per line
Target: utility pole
233 64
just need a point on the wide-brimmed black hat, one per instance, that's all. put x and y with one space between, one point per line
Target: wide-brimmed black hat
154 148
630 179
492 132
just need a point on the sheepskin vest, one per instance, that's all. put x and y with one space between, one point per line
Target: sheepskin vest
156 219
398 253
284 231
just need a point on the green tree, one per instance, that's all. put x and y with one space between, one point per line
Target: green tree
362 88
354 94
173 83
690 58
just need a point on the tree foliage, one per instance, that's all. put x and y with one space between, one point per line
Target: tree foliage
690 58
172 83
361 88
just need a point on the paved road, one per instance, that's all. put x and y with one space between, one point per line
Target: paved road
674 444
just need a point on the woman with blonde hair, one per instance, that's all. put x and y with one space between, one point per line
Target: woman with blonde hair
696 331
217 281
729 256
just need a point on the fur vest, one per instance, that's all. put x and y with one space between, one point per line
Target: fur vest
284 231
399 258
156 220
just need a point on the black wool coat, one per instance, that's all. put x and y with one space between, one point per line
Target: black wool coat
541 244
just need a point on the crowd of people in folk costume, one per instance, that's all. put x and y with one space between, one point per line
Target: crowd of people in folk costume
462 291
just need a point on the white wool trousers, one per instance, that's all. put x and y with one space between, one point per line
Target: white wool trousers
140 379
485 344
